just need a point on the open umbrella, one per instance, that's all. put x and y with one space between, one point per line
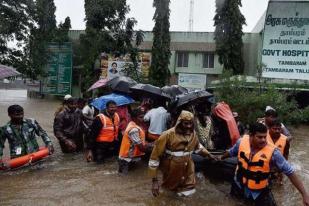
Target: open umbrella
192 98
140 91
121 84
98 84
174 90
6 71
100 103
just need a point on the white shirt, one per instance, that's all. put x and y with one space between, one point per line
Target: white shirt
158 119
88 111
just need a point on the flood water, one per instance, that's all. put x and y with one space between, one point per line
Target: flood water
65 179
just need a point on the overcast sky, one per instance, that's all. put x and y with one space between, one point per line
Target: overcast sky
142 11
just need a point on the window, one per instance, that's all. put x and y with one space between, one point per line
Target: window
182 59
208 60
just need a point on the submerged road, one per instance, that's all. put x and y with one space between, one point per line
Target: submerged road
68 180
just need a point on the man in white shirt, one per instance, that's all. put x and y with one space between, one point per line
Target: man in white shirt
158 119
88 111
88 115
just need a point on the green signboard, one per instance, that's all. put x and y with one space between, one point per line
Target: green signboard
58 69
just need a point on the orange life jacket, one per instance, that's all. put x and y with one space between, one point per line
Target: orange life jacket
126 143
280 143
253 172
109 131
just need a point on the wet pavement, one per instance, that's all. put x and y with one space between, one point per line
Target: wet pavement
69 180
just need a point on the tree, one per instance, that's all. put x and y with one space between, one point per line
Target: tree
127 42
228 34
45 17
102 18
44 31
41 34
105 14
62 31
29 25
15 24
107 30
159 72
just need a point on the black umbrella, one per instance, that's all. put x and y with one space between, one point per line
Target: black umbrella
192 98
121 84
174 90
140 91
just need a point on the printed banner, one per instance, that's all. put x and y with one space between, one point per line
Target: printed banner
115 66
285 50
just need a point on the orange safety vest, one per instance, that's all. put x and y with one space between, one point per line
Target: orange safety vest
280 143
109 131
253 172
126 142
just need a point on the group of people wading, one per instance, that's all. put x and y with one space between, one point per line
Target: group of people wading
149 133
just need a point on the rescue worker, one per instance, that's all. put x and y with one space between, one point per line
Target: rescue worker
133 145
69 129
270 115
21 134
275 137
256 158
103 134
172 152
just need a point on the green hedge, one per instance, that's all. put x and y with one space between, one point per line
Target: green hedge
250 103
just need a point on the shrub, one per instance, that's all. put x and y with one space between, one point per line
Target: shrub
250 101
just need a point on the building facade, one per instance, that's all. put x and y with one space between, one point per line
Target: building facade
194 63
193 57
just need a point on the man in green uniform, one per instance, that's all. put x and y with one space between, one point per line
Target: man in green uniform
21 134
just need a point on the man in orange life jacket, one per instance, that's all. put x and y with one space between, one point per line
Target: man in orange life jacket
133 143
275 137
270 115
256 158
100 141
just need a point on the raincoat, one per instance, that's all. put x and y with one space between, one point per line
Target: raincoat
172 154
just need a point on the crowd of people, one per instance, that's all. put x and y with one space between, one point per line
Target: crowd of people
166 141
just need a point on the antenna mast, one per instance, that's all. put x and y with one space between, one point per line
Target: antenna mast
191 15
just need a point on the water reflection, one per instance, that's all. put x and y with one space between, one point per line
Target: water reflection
7 96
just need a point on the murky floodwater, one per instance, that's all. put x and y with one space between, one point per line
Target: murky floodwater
69 180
